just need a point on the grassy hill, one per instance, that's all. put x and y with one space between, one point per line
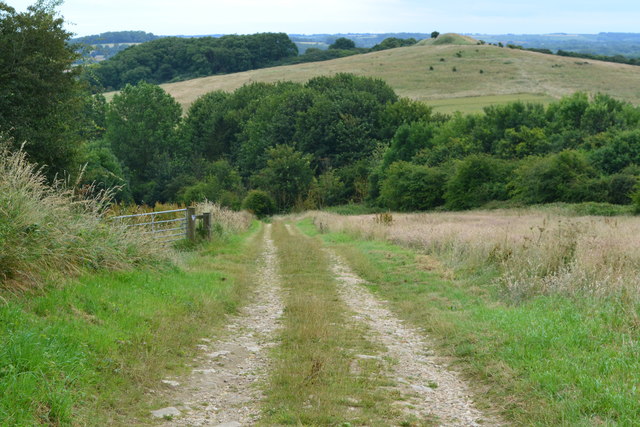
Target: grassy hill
449 38
484 75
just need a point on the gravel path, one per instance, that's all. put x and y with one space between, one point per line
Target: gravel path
432 391
223 389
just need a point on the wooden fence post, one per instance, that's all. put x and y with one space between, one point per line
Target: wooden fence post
206 224
191 223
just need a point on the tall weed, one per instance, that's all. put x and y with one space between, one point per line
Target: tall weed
57 229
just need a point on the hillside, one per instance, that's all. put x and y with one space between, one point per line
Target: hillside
507 74
449 38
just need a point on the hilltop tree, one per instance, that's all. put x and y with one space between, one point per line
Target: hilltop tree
343 43
41 100
434 34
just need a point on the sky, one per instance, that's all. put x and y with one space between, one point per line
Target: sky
198 17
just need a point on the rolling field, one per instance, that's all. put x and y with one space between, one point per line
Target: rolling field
484 75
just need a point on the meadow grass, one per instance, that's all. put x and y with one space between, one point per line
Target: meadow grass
92 351
555 356
58 229
476 104
313 381
539 251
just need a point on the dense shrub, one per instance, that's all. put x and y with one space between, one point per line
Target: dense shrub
259 203
476 180
409 187
564 177
221 184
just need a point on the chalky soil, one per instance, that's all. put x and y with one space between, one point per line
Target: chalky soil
432 391
224 388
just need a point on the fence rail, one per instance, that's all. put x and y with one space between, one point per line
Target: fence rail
185 229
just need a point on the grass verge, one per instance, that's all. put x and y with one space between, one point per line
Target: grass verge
87 352
317 378
548 360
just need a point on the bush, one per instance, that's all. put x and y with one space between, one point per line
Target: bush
408 187
476 180
259 203
562 177
221 185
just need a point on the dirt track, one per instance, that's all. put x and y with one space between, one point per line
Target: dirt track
225 387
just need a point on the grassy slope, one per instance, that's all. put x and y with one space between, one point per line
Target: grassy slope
88 352
550 360
507 75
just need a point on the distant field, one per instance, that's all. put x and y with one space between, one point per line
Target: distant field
506 75
475 104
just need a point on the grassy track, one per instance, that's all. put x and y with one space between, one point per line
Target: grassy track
86 352
549 360
313 382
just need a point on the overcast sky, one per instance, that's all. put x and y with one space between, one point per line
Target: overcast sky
195 17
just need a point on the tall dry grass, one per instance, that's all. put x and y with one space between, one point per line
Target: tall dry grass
537 252
226 220
56 229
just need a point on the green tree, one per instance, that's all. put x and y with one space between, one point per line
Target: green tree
409 187
142 131
434 34
259 203
41 99
408 141
393 42
167 58
406 111
476 180
328 190
343 43
221 184
204 130
103 170
287 176
561 177
620 149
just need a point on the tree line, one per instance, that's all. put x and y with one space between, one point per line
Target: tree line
342 139
177 58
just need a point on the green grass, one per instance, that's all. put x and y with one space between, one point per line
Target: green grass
549 360
312 380
354 209
85 352
587 209
476 104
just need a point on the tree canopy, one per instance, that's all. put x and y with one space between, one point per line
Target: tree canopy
41 99
170 58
